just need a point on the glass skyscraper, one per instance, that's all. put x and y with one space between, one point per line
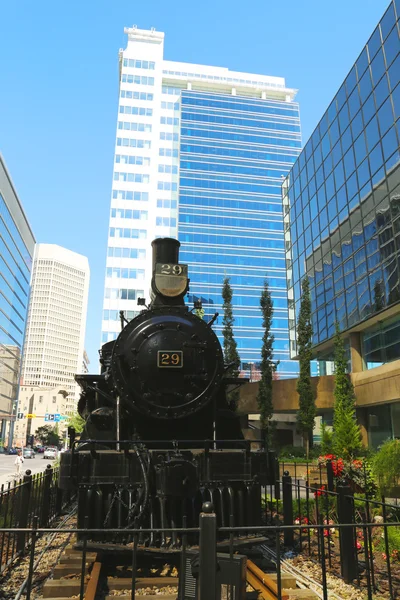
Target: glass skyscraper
343 194
200 155
233 153
16 251
342 217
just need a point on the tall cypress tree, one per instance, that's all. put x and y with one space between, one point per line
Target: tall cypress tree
231 354
268 366
346 431
307 411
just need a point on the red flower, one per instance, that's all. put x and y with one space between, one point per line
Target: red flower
320 491
358 545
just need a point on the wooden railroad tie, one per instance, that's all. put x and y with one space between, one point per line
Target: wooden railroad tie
266 585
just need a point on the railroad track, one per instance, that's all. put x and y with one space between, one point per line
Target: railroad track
112 582
37 568
102 577
303 582
116 583
266 584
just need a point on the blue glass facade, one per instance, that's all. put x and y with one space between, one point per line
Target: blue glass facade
233 153
342 203
16 251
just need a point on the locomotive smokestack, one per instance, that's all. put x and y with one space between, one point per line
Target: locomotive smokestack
165 251
170 281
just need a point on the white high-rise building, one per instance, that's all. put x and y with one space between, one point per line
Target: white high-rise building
55 332
200 154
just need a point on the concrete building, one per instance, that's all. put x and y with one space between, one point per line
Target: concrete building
200 154
44 407
54 341
342 230
16 251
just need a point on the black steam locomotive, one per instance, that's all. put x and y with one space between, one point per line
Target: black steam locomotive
160 437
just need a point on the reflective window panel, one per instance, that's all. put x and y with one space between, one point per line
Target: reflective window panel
233 154
342 197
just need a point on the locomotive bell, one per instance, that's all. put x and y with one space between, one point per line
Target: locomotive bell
170 281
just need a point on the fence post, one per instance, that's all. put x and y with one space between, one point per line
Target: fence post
277 480
24 509
329 474
46 499
345 511
208 553
288 534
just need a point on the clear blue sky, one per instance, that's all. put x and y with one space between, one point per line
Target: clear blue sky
59 91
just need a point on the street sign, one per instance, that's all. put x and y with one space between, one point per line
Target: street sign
54 417
29 416
20 415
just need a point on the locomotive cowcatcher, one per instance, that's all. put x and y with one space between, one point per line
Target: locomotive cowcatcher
160 436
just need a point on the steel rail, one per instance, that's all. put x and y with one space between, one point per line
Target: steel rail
43 552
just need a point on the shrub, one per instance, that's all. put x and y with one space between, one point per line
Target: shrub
326 440
386 466
315 451
393 534
292 452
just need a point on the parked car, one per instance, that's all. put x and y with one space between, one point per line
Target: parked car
12 451
40 449
28 453
50 453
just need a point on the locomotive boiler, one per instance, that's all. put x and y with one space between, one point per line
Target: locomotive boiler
160 436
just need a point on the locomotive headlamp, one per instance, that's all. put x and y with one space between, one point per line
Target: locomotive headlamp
170 279
197 305
141 301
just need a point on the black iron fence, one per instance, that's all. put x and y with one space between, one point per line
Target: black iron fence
20 501
205 570
343 525
338 527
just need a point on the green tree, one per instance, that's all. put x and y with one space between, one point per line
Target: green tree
48 435
326 439
231 355
76 422
346 431
306 413
267 366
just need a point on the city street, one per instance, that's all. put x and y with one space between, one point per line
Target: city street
8 467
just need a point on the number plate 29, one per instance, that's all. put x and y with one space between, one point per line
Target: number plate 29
167 359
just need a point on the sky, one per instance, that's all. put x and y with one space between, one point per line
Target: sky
59 92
